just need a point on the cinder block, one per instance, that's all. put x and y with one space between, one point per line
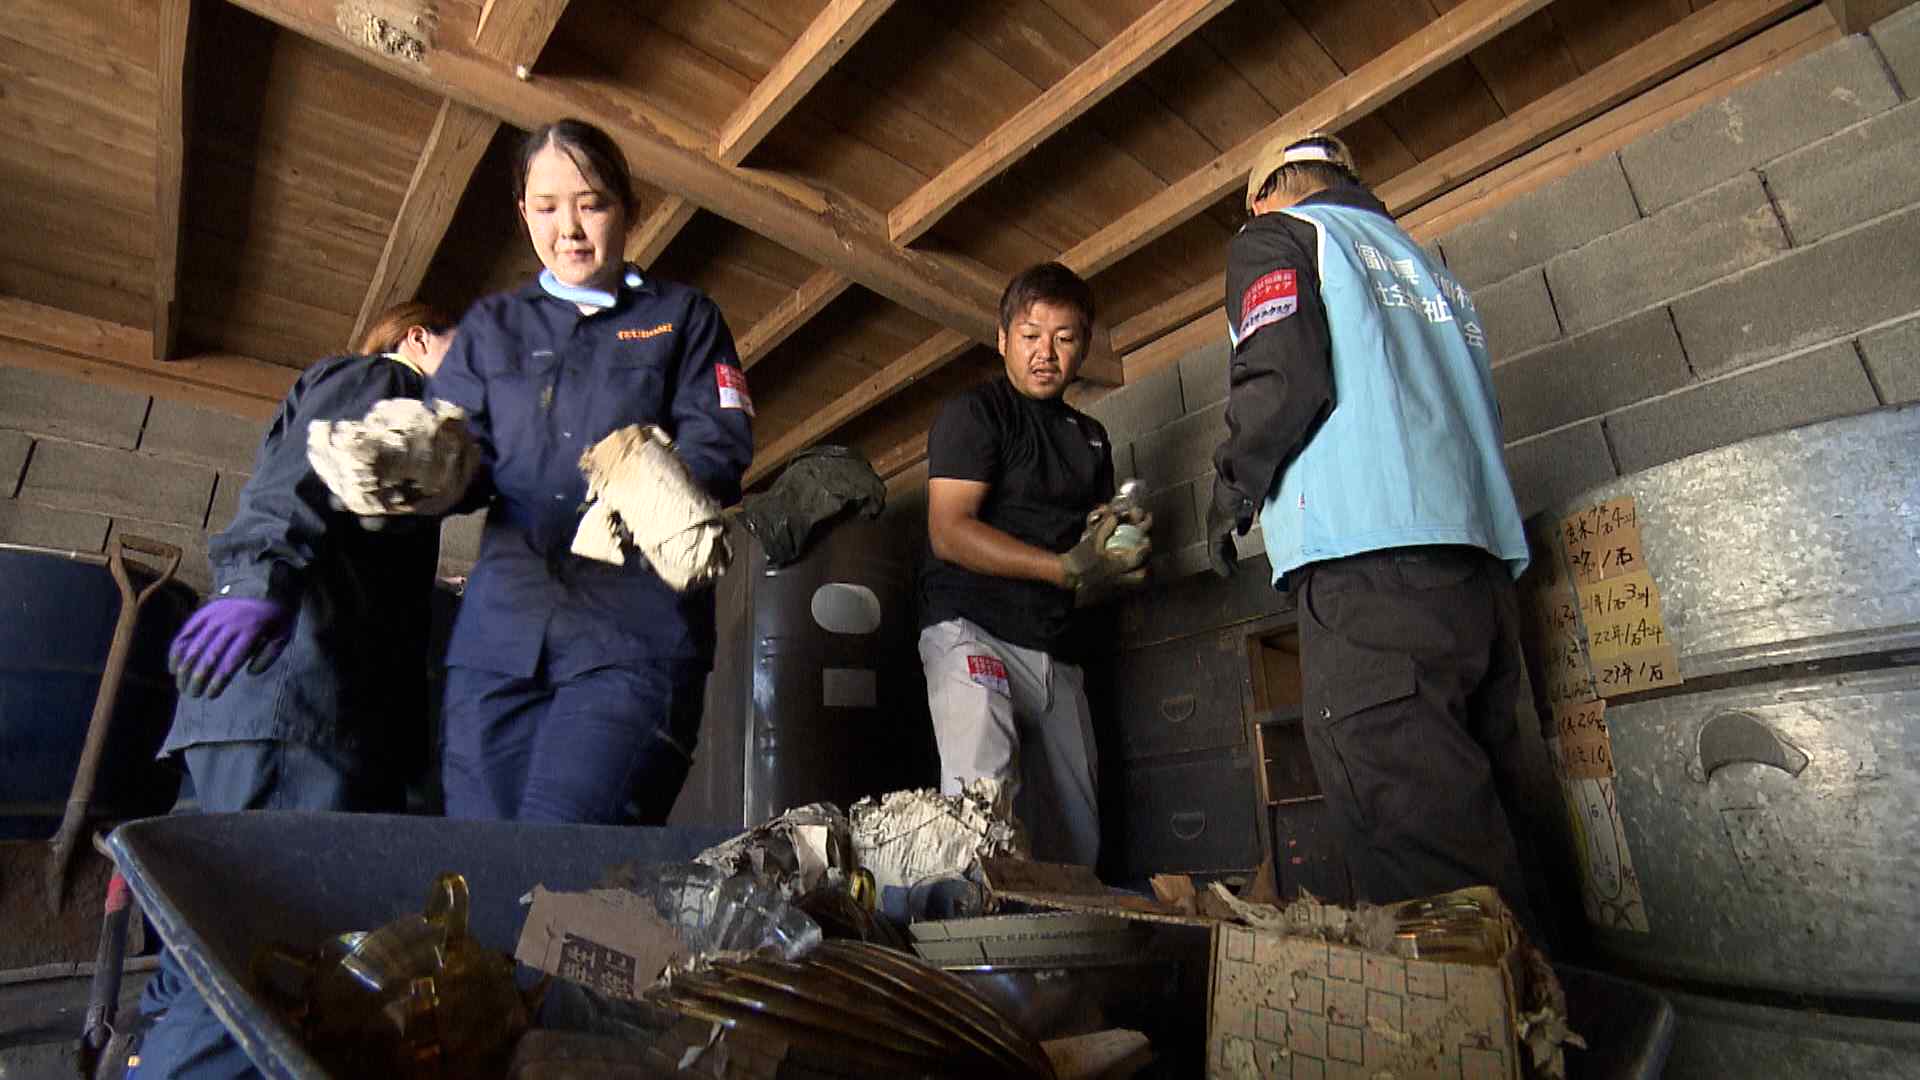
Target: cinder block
1175 608
1811 295
1898 36
1517 314
1435 252
1587 203
1176 523
68 409
1185 562
40 526
1893 355
1135 409
202 436
1203 375
118 483
1595 373
1719 232
460 536
1863 172
226 501
1182 450
14 448
195 571
1840 85
1550 469
1123 464
1813 386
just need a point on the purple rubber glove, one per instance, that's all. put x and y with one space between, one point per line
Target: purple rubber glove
221 636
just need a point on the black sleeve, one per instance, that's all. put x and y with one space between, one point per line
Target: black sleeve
1280 379
965 442
1106 481
283 509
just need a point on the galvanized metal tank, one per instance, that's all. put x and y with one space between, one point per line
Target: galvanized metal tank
1771 803
816 692
57 615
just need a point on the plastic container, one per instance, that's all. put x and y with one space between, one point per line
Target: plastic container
217 886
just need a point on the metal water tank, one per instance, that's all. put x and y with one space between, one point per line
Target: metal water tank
57 615
1771 802
816 692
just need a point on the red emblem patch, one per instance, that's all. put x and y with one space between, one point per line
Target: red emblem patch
733 388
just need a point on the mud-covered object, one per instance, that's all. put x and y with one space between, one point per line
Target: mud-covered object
819 486
404 457
641 495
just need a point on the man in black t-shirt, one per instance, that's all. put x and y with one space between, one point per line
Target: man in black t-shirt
1020 535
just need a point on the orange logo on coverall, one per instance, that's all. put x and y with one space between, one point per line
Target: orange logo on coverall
649 332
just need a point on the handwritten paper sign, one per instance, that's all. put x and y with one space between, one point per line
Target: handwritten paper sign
1583 750
1642 669
1603 541
1622 615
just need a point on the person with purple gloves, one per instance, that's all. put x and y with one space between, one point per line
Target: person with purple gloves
303 679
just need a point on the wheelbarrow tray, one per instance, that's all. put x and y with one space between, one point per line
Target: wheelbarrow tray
219 886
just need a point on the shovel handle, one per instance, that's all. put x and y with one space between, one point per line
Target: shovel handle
80 799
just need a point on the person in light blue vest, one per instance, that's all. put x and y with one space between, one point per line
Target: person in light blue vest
1364 434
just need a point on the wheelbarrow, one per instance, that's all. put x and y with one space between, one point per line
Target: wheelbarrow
54 899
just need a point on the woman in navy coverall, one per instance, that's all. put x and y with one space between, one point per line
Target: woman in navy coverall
574 687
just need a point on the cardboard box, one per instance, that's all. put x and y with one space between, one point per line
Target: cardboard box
1285 1005
607 939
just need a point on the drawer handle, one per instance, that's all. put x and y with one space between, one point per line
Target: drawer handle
1178 710
1188 826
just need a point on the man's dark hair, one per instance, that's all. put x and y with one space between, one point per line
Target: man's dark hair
1052 283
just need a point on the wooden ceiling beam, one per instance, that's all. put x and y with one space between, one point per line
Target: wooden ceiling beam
514 31
810 299
826 39
1145 40
172 119
822 226
1368 87
1443 41
102 353
1168 315
453 150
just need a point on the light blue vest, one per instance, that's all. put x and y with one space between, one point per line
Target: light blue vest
1411 453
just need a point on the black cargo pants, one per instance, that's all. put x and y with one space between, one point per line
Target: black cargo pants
1412 673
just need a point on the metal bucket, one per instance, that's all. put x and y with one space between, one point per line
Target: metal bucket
1771 803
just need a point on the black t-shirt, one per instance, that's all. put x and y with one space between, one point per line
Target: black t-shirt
1048 464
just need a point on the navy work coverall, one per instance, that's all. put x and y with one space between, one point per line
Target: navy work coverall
573 686
338 722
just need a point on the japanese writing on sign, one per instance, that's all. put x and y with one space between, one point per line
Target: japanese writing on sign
1582 748
1622 615
592 964
1642 669
1603 541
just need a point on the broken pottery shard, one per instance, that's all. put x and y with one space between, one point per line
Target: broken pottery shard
908 836
798 851
403 457
641 495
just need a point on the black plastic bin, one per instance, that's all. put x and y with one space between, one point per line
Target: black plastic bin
1628 1026
219 885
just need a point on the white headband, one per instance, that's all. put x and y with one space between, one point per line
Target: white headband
1308 152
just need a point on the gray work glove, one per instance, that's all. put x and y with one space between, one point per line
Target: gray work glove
1094 570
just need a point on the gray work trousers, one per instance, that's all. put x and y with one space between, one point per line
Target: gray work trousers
1020 716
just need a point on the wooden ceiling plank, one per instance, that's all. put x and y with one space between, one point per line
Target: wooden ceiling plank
827 228
459 137
171 120
1139 45
514 31
1168 315
1380 80
1651 62
826 39
810 299
926 358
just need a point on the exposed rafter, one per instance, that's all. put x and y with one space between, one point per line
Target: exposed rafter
1441 42
172 115
514 31
810 299
824 227
102 353
821 45
1147 39
459 137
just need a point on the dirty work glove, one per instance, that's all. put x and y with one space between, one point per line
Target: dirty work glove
222 635
404 457
1093 570
641 495
1223 522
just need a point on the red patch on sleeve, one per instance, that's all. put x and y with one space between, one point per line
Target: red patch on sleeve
989 672
1273 297
733 388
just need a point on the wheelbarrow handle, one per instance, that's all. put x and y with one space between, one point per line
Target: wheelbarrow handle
80 799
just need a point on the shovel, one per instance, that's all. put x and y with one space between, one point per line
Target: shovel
80 800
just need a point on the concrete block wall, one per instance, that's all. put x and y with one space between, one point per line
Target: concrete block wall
1749 268
80 464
